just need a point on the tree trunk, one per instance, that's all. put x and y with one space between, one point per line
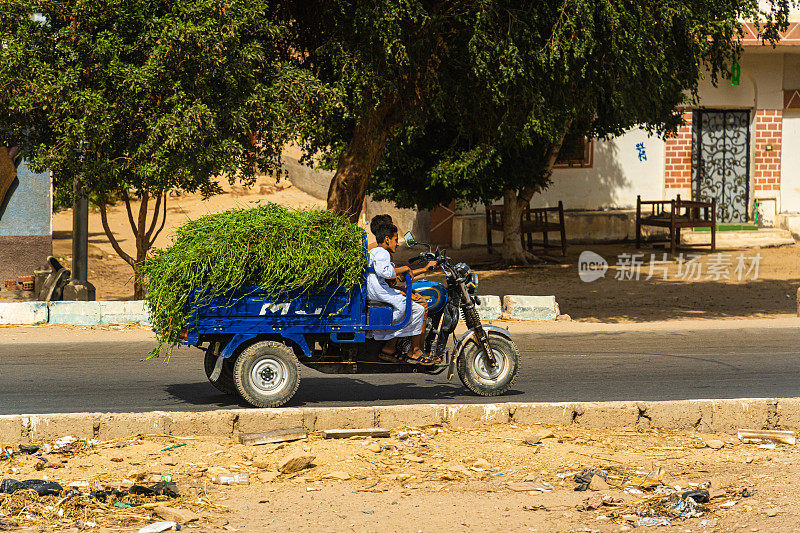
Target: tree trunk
360 158
513 252
145 236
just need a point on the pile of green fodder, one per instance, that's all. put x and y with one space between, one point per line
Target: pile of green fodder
283 251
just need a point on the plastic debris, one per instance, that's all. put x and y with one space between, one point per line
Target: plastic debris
158 527
756 436
42 488
30 449
162 488
769 446
168 448
63 442
698 495
654 521
242 478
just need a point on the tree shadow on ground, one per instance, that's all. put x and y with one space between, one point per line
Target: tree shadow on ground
630 300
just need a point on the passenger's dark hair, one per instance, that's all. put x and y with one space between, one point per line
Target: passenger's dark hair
376 222
384 231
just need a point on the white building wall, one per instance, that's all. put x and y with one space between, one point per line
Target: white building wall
616 177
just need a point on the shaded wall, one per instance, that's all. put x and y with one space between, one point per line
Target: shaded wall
25 223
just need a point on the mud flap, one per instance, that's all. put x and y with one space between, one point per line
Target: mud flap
217 367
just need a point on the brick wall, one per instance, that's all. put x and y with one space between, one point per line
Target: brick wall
678 161
767 164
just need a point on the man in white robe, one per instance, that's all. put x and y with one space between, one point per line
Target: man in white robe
381 271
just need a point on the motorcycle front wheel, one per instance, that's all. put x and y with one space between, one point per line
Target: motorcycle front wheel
479 376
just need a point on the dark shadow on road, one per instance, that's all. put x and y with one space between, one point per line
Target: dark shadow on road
339 390
316 390
202 393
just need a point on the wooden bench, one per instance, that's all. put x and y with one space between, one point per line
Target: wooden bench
533 220
676 214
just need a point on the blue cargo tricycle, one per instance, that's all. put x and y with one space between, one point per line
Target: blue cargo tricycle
254 345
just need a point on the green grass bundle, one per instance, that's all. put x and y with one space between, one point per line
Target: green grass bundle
270 246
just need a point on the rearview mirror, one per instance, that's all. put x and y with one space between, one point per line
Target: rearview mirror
409 238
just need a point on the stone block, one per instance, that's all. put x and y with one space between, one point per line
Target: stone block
205 423
729 415
122 312
340 418
788 413
394 416
489 307
23 313
128 425
557 414
10 429
50 427
606 414
477 414
75 313
684 414
258 420
516 307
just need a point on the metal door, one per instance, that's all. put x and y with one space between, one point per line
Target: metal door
721 161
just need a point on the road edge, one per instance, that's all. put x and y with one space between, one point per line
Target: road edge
705 416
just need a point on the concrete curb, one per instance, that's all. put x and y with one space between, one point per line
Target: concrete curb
74 313
707 416
135 311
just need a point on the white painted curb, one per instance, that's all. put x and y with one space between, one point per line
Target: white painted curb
74 313
517 307
489 307
23 313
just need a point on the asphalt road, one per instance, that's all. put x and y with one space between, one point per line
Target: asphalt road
632 365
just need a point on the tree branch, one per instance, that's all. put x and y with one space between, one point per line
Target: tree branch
127 200
141 227
163 221
155 218
104 219
527 192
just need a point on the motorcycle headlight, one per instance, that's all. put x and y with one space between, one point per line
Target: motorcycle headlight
462 270
472 281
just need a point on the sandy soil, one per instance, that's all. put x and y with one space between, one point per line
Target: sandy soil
772 294
432 479
609 299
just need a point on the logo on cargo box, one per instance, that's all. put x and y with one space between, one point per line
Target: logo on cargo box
283 309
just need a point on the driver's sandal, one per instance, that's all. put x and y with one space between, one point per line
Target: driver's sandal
389 357
424 360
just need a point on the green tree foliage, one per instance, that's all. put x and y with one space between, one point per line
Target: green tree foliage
480 112
141 98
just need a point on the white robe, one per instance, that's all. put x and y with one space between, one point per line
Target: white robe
380 291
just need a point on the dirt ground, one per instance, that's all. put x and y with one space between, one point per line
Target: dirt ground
772 294
490 478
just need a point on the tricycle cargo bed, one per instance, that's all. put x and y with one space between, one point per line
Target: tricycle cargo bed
254 308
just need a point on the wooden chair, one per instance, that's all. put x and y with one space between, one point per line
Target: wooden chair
676 214
533 220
